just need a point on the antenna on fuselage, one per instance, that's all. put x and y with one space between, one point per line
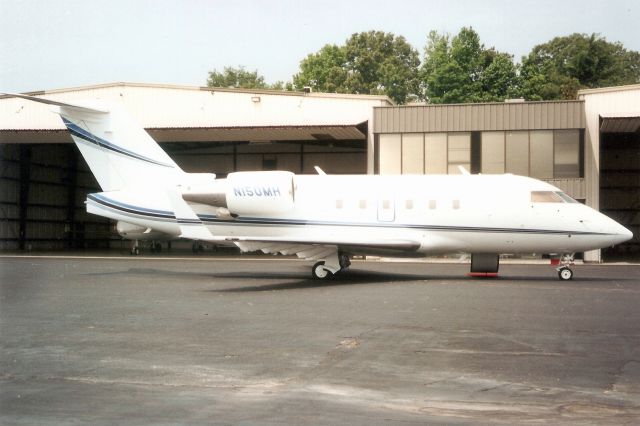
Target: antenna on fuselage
319 170
463 171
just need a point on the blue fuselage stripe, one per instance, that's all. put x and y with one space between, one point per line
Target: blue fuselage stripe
214 220
81 133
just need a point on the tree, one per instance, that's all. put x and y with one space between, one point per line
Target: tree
382 63
324 71
233 77
559 68
499 79
461 69
371 62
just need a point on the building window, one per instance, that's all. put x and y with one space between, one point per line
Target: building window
517 153
413 153
390 148
459 152
435 153
566 154
492 153
541 154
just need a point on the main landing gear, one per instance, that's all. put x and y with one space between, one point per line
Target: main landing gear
564 272
133 248
329 267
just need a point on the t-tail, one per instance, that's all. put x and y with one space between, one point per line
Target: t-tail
120 153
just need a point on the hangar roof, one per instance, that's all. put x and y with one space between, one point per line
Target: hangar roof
187 113
612 109
620 123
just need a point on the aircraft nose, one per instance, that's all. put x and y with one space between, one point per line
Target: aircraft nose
623 233
619 233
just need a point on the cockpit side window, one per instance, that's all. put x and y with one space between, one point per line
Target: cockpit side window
545 197
566 198
550 197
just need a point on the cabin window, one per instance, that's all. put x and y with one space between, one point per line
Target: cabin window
455 204
338 204
386 205
432 204
362 204
408 204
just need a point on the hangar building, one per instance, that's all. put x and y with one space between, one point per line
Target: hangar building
44 180
589 147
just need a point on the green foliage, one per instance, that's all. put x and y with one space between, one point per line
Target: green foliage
559 68
455 69
233 77
460 69
382 63
371 62
324 71
282 86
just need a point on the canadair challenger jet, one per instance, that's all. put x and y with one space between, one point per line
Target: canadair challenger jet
327 218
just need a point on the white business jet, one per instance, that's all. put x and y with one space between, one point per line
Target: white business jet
327 218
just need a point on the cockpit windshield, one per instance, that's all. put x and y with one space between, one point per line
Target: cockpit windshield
550 197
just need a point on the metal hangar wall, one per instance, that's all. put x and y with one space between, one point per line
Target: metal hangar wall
44 181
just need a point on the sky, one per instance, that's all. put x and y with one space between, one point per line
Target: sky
67 43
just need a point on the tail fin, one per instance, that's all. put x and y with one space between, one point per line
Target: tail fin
120 153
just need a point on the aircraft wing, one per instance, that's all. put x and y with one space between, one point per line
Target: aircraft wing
319 248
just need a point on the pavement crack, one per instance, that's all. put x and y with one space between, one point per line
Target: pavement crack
339 353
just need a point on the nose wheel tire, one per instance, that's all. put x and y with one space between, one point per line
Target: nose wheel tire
319 272
565 274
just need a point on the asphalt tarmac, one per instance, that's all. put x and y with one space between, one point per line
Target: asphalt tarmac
142 341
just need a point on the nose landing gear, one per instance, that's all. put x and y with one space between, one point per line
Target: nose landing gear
564 271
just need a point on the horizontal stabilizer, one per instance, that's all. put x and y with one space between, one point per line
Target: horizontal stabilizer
195 232
191 227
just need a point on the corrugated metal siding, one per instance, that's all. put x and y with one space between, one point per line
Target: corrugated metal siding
574 187
177 106
9 196
47 210
620 125
480 117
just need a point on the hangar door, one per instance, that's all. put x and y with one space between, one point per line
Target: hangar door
620 181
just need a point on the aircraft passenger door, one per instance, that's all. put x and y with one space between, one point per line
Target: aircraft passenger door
386 209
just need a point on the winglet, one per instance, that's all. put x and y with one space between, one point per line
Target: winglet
319 170
463 171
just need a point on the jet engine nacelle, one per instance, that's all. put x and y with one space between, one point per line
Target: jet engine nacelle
260 192
271 192
134 232
243 193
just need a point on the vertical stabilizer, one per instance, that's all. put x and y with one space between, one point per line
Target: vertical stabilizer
120 153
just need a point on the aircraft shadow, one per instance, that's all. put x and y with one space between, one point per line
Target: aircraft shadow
343 279
302 280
